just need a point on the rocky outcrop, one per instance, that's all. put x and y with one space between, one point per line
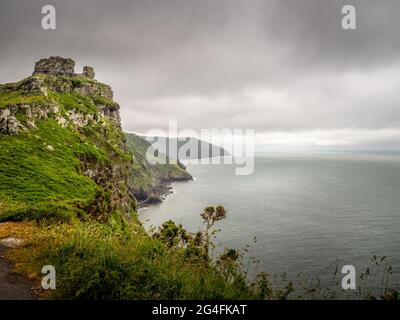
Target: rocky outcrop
59 66
41 85
88 72
36 111
110 113
35 86
56 66
8 122
94 89
47 79
31 113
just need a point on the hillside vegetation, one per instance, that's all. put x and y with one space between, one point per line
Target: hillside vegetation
68 176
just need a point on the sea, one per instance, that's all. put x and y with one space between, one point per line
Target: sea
301 215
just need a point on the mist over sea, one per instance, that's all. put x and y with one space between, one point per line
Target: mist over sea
307 210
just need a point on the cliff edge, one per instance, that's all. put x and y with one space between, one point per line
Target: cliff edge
62 145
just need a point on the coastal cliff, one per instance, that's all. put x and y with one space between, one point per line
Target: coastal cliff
68 181
57 102
152 182
62 145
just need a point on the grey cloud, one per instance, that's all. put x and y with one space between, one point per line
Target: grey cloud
197 61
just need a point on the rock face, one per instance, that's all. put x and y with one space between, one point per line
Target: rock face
59 66
8 122
95 89
112 114
56 66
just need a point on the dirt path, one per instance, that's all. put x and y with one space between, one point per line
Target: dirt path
12 285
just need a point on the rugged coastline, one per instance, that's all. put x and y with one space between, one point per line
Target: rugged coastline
71 182
151 183
160 192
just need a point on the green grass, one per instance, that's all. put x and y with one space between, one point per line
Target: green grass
30 172
78 81
120 261
104 101
16 97
74 101
49 212
81 227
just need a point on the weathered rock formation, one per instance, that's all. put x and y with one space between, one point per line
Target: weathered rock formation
56 74
88 72
9 124
8 121
59 66
56 66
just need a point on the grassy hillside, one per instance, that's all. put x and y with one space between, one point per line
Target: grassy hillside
68 175
57 149
66 182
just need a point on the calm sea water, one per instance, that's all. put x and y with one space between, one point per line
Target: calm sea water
308 211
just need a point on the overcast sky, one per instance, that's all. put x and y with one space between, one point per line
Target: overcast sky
284 68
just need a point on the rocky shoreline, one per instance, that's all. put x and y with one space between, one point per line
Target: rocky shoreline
161 192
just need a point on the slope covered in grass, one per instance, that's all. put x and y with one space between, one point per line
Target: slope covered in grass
66 168
61 145
119 261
